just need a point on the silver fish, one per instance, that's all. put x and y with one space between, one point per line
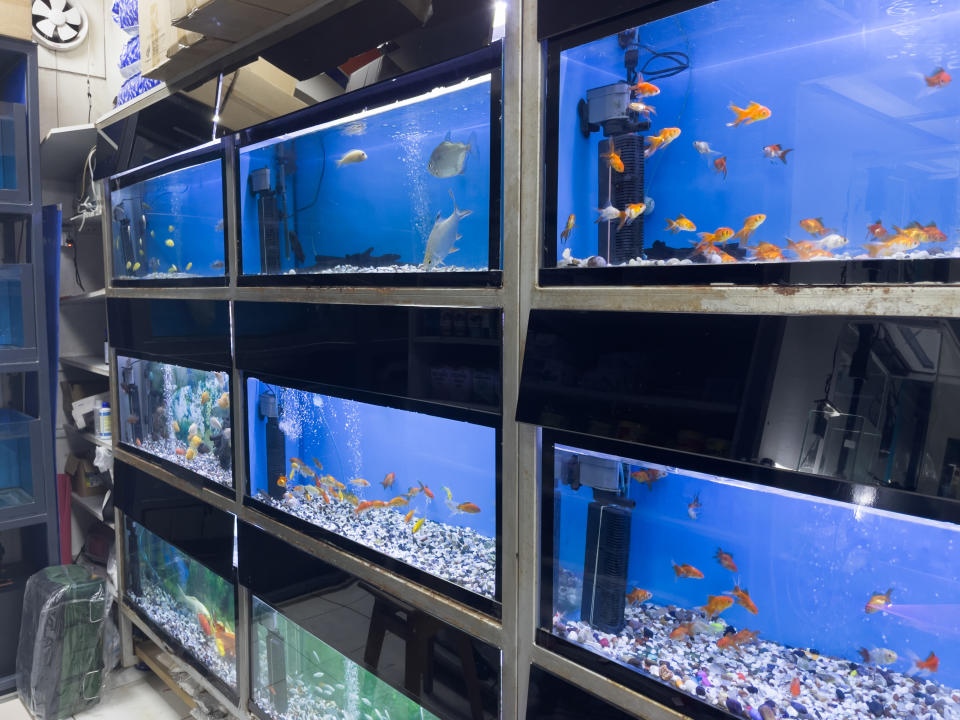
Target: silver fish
703 147
443 236
194 429
216 424
832 241
226 435
448 158
219 226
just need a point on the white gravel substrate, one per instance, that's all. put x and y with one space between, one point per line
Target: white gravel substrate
205 464
404 268
458 554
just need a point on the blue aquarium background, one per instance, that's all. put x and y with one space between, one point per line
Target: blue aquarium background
387 203
17 432
176 225
844 82
11 305
341 441
810 566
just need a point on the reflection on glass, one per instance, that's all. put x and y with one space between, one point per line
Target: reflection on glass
184 599
11 305
170 226
297 675
16 477
419 488
400 188
765 147
745 596
178 414
8 153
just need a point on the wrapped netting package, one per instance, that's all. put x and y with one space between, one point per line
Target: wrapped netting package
60 656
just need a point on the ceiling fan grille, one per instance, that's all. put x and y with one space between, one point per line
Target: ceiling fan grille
59 24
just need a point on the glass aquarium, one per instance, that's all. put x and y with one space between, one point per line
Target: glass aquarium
13 155
169 226
831 141
184 599
19 433
297 675
406 187
745 596
417 488
178 414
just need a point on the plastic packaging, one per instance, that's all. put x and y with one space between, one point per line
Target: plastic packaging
130 57
125 15
60 656
103 421
134 85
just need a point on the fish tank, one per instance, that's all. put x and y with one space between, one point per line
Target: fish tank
184 601
179 415
17 326
167 221
672 158
397 183
19 433
14 184
362 472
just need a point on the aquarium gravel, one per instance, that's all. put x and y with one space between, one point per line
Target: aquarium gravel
178 622
387 269
742 679
458 554
205 464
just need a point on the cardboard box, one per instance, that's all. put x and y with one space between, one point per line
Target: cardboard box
85 479
83 409
230 20
287 7
261 92
167 51
16 19
72 392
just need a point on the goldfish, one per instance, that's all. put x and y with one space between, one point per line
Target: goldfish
648 476
814 226
204 397
351 498
877 230
687 571
180 451
359 482
716 604
613 158
317 464
136 265
426 491
416 526
468 507
568 228
682 629
886 248
934 234
736 639
223 402
633 211
931 664
693 509
195 441
938 78
176 426
750 225
191 454
766 251
398 502
720 166
326 498
409 516
681 223
703 147
726 560
807 250
661 140
226 642
388 480
750 114
878 602
638 596
609 214
743 598
642 109
354 156
189 265
129 264
204 624
644 89
878 656
776 152
168 242
367 505
795 687
720 235
920 233
413 492
139 442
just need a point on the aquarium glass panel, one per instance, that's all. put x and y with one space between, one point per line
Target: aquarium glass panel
418 488
398 189
8 153
17 433
183 599
297 675
11 306
705 138
744 596
170 226
178 414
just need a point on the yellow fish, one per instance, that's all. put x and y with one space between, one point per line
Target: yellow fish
204 397
568 228
195 441
168 242
220 647
409 516
170 228
153 234
417 525
352 499
189 265
129 264
136 265
176 426
223 402
172 268
191 454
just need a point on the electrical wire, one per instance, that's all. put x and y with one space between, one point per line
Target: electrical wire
679 61
323 170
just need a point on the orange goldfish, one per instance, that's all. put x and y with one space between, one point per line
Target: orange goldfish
648 476
326 498
807 250
766 251
226 641
682 629
413 492
398 501
878 602
367 505
877 230
633 211
318 464
642 109
282 481
776 151
931 664
716 604
568 228
814 226
409 516
743 598
613 159
750 114
204 397
204 624
360 482
661 140
681 223
468 507
687 571
750 225
921 233
726 560
720 235
795 687
938 78
934 234
638 596
644 89
736 639
388 480
886 248
180 451
720 166
223 402
426 491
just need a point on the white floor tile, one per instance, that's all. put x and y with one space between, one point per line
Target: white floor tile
145 699
13 709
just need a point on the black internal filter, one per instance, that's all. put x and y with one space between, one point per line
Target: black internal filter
621 189
605 566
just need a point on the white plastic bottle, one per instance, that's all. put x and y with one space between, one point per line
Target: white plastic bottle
103 421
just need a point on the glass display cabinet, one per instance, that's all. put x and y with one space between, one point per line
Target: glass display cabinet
672 158
757 530
380 433
15 92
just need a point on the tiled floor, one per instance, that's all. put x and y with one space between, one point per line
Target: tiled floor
132 694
